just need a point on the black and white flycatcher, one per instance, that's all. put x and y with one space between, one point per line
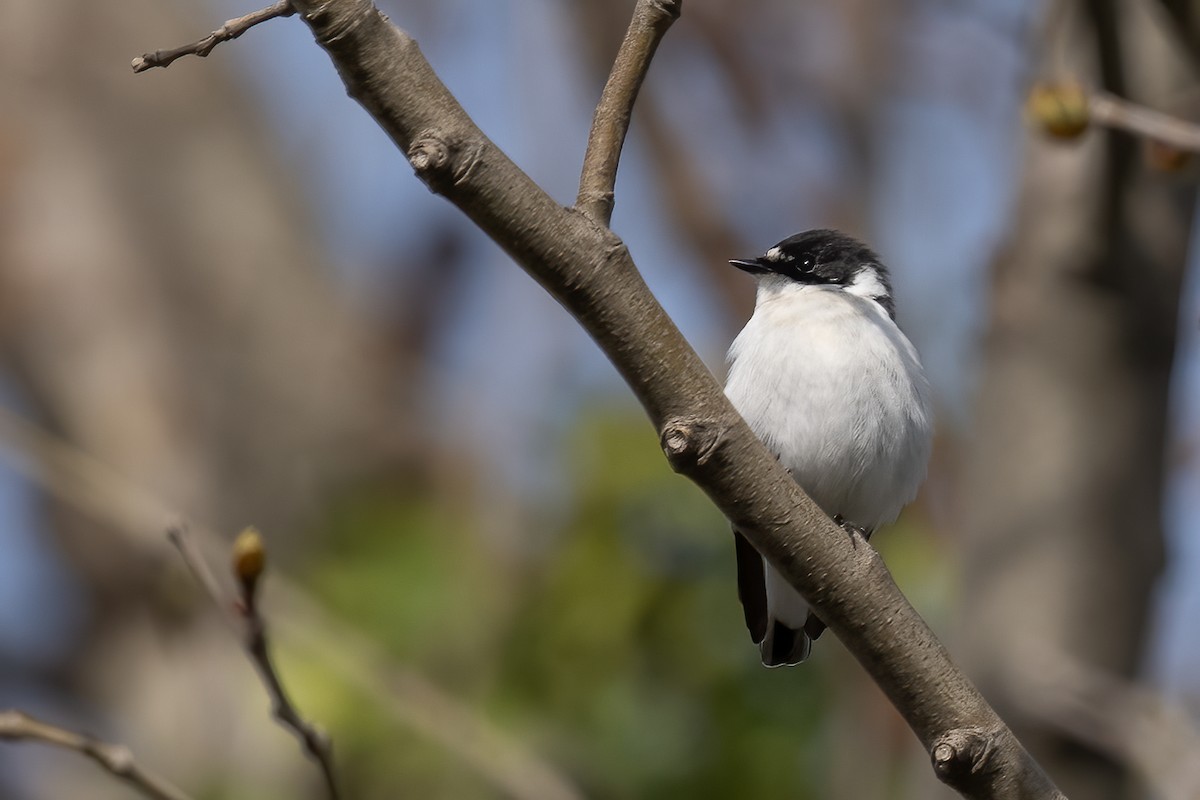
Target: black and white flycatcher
826 379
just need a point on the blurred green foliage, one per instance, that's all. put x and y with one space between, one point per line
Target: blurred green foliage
616 650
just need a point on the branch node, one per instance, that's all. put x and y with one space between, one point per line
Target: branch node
597 204
467 164
616 252
442 162
671 8
688 442
430 159
428 153
121 759
331 23
116 759
962 753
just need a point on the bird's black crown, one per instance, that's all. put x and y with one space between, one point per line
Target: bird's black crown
825 258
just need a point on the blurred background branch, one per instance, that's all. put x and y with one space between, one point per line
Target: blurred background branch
249 561
1064 538
1113 112
1122 719
130 513
1066 109
115 759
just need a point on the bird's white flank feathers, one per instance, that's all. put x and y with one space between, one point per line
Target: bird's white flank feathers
823 375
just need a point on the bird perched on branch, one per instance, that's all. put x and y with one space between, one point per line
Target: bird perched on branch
826 379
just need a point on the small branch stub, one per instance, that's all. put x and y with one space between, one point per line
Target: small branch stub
960 755
688 443
440 161
429 156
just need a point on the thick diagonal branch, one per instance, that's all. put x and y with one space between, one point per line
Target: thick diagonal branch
590 272
651 19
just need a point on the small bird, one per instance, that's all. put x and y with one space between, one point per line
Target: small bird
825 378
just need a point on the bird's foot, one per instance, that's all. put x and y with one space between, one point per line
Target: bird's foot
851 528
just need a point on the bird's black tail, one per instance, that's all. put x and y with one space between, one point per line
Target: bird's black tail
779 643
783 646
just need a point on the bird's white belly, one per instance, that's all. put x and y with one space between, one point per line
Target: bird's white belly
835 390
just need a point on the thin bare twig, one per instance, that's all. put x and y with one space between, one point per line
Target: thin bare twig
232 29
178 536
128 510
1113 112
689 203
115 758
252 631
651 19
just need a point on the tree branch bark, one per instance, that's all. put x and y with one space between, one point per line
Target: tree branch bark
589 271
651 19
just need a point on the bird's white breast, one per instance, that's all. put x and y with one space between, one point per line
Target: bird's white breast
835 389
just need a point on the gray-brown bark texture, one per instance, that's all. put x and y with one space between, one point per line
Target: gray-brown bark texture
1061 513
589 270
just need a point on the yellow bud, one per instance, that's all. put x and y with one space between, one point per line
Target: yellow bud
1059 109
249 556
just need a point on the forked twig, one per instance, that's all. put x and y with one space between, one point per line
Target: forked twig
115 758
651 19
243 614
232 29
129 511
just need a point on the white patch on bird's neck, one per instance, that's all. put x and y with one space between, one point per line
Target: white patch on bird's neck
866 284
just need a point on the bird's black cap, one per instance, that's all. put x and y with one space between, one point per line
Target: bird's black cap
820 257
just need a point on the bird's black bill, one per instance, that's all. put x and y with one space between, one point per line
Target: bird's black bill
752 265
